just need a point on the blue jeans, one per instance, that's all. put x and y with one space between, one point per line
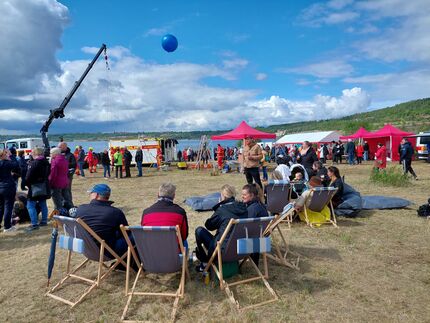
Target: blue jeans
139 168
265 177
81 169
31 206
351 158
366 155
106 170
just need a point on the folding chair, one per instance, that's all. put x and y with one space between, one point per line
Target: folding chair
320 198
278 195
80 238
158 250
245 238
273 226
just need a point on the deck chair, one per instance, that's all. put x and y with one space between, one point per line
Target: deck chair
79 238
245 238
278 195
321 198
277 255
157 248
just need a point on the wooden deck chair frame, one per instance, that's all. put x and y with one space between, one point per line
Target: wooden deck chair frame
274 226
224 285
332 220
73 273
179 293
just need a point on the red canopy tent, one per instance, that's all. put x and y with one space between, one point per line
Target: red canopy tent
359 134
390 136
242 131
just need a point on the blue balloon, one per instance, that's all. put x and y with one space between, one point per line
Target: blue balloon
169 43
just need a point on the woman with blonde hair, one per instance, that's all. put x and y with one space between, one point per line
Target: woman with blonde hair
228 208
37 179
7 188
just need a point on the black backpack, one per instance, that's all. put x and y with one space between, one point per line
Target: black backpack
424 210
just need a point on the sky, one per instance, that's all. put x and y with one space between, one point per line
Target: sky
265 62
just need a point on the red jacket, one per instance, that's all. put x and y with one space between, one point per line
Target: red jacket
360 151
166 213
381 157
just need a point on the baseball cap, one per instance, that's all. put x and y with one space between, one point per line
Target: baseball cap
101 189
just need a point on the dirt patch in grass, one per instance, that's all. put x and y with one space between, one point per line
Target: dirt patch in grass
373 268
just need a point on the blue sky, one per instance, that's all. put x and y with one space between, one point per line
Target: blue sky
266 62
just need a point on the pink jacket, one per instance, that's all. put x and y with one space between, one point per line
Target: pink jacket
58 178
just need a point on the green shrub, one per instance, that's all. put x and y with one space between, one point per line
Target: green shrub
391 176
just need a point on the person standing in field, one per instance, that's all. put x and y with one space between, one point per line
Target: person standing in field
127 161
106 164
406 154
252 154
65 151
138 158
220 156
381 157
117 157
81 161
366 151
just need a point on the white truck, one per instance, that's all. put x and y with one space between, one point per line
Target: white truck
24 144
151 148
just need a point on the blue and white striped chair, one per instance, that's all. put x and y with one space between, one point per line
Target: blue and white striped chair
160 250
241 238
79 238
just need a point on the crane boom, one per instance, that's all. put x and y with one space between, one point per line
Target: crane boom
59 112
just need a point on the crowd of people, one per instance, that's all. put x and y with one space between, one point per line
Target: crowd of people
53 179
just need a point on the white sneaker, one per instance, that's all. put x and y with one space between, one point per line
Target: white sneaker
11 229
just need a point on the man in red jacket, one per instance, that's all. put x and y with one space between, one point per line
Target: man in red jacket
166 213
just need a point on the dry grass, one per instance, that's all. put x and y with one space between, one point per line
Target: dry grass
373 268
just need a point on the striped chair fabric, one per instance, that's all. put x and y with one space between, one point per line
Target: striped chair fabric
73 244
248 246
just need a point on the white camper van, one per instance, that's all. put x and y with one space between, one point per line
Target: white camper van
25 144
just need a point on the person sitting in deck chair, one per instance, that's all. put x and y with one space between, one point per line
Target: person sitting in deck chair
228 208
305 198
103 218
166 213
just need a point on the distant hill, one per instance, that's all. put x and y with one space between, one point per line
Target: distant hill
411 116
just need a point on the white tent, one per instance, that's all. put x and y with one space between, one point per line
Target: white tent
313 137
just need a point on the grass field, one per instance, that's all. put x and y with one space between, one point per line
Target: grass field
374 268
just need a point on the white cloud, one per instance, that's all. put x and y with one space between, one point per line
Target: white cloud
156 31
328 13
24 56
260 76
398 87
325 69
281 110
235 63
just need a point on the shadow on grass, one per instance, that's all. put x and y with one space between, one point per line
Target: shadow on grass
22 239
317 252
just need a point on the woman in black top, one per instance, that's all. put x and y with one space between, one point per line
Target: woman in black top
8 166
228 208
336 181
307 157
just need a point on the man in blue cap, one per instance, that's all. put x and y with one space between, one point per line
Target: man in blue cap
103 218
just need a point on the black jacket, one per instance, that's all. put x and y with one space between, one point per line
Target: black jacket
38 172
104 219
127 157
406 151
7 182
256 209
105 159
350 148
338 197
71 160
366 147
138 158
308 159
224 211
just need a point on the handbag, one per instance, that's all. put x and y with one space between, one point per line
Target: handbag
39 190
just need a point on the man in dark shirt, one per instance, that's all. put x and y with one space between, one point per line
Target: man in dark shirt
103 218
